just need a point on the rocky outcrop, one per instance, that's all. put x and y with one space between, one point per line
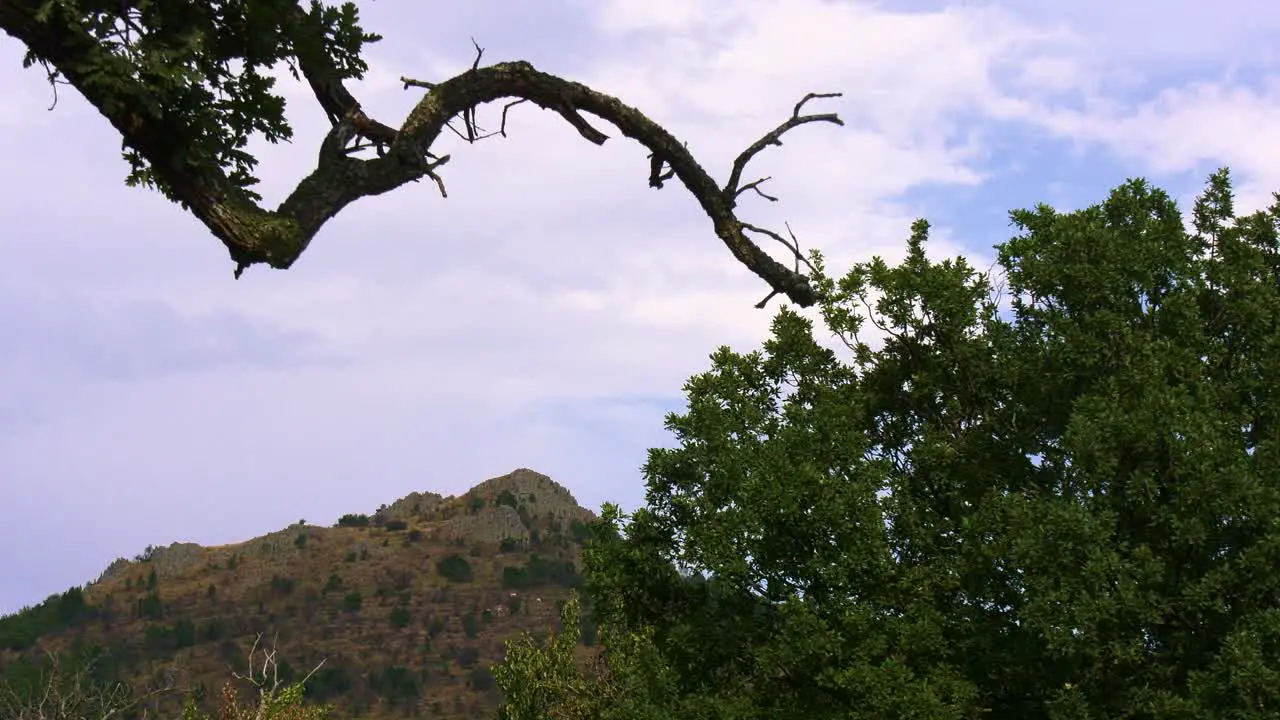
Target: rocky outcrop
508 506
541 497
511 506
489 525
413 505
166 561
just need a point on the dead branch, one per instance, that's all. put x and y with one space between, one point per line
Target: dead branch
267 678
253 234
73 694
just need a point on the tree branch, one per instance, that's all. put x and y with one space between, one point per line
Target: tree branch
277 238
73 693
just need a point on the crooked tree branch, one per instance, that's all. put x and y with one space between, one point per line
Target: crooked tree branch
277 238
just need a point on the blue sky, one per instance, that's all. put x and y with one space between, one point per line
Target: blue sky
546 314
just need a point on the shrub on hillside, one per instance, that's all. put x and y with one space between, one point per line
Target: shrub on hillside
400 617
454 567
353 520
541 571
21 629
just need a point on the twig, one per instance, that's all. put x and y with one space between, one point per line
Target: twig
253 234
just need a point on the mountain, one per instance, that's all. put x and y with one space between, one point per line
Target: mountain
408 607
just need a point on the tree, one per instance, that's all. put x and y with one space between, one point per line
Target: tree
353 520
183 83
1066 505
278 697
454 567
542 680
22 629
84 685
69 686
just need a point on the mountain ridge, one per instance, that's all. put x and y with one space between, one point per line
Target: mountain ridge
408 605
523 483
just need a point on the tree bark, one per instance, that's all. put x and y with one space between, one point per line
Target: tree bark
277 238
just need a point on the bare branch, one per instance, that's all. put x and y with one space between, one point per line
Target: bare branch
253 234
502 130
793 245
756 186
656 175
774 137
410 82
267 678
73 694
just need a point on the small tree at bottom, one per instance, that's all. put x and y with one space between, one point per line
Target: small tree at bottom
277 700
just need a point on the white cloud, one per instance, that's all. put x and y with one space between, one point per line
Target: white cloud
903 73
1191 128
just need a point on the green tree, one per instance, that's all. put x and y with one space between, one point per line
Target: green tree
328 682
395 683
81 684
353 520
400 616
541 571
332 584
454 567
185 83
184 633
1063 506
149 606
542 679
22 629
277 696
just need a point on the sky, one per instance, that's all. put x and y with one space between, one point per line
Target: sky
547 313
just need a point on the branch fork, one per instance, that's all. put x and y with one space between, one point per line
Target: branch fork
255 235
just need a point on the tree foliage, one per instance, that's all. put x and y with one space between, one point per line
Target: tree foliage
278 697
1057 496
544 681
22 629
455 568
187 83
80 684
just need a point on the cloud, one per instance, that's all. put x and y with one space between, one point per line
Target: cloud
77 339
1194 127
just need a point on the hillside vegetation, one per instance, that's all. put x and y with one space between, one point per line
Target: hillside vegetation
408 606
1049 491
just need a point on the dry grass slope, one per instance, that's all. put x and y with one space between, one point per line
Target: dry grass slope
408 610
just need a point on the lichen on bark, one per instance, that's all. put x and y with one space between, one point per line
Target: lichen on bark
171 147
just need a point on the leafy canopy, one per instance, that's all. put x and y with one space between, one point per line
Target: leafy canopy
198 65
1057 496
